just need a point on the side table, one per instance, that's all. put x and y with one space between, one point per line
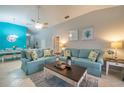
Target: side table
114 62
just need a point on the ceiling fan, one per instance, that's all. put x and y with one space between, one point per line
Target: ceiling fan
37 23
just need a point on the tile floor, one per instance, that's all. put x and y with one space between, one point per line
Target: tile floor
12 76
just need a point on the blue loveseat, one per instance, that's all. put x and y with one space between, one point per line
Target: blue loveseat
79 57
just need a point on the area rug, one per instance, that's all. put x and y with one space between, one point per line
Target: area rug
40 81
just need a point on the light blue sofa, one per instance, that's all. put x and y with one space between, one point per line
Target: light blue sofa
80 57
29 66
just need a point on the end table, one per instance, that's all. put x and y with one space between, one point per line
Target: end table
114 62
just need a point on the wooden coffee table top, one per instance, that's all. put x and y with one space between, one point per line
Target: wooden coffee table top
75 73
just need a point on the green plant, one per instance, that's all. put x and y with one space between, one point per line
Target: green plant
110 52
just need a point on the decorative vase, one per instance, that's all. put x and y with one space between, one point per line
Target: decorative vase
69 60
57 58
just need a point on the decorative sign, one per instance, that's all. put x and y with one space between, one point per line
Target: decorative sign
12 38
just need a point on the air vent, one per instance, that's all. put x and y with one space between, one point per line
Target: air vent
66 17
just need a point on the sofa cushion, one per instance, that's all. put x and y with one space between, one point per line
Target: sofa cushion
84 53
47 52
74 52
93 55
34 55
49 59
80 59
62 58
39 53
45 59
85 63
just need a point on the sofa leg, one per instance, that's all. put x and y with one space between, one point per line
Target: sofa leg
123 79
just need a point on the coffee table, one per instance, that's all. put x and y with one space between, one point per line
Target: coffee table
74 76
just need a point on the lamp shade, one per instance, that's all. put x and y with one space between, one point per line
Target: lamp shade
117 44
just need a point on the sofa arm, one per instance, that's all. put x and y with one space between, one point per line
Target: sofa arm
101 61
94 65
35 66
24 64
95 69
24 60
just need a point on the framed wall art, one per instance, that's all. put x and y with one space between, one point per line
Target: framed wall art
88 33
73 35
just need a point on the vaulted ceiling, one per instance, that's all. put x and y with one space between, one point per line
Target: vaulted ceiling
52 14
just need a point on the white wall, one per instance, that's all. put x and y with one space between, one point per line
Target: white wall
108 26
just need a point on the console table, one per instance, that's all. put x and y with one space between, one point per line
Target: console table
113 62
13 53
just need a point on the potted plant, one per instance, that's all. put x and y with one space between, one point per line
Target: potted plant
111 53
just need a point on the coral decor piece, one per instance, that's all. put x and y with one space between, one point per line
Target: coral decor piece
12 38
87 33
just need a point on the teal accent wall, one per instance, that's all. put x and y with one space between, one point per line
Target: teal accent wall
7 29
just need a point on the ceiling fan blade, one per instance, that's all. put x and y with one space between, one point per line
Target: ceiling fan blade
45 25
33 20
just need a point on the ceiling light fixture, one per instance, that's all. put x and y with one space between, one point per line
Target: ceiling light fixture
38 25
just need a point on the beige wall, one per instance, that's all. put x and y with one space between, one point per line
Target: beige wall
108 26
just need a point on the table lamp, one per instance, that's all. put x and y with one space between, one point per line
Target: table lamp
116 45
62 46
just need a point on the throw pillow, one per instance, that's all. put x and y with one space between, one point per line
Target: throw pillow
47 52
39 53
93 55
67 53
28 54
34 55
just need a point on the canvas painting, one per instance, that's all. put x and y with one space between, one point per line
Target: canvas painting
87 33
73 35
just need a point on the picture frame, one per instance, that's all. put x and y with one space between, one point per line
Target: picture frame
73 35
88 33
